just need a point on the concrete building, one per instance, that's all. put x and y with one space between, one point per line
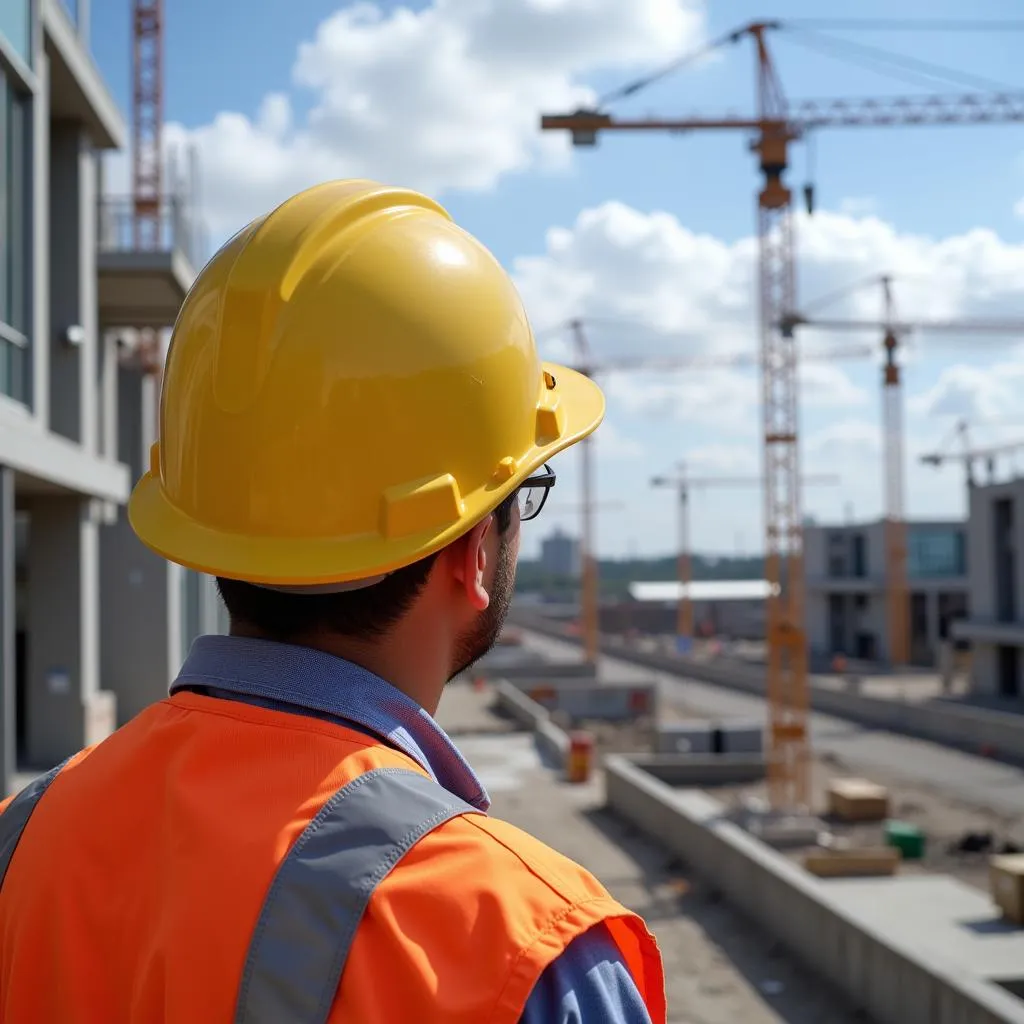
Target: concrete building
560 554
91 625
995 628
846 577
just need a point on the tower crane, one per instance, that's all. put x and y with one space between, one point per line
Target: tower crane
587 363
683 483
968 455
147 148
776 124
894 331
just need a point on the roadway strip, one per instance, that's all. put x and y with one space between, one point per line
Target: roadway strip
983 783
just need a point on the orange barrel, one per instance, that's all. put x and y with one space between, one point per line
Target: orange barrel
581 756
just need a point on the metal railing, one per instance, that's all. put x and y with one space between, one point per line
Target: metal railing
173 228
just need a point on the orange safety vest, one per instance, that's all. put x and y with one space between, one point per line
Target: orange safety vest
215 861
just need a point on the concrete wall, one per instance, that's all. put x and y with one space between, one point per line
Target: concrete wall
552 741
8 667
981 559
66 708
885 976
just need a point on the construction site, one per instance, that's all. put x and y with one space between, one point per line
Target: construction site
806 773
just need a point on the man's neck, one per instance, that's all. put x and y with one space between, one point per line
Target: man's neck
396 659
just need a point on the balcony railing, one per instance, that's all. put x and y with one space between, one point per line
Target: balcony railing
173 229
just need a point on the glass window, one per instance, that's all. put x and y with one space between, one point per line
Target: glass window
16 27
934 553
14 251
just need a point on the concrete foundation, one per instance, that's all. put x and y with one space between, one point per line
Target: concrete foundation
833 926
700 770
612 702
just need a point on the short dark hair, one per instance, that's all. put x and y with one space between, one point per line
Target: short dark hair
367 613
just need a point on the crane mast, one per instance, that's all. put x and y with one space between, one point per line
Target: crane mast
147 121
775 126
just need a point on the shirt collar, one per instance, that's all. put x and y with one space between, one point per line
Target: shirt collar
319 682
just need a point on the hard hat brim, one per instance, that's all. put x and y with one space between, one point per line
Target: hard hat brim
290 561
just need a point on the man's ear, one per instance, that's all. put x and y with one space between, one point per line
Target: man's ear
469 561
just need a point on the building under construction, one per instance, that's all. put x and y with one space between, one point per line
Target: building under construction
847 589
92 625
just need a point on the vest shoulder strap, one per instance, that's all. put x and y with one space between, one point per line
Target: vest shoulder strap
16 814
322 889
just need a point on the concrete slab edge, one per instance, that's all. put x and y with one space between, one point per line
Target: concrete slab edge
888 980
552 741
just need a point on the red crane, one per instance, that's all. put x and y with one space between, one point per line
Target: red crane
147 147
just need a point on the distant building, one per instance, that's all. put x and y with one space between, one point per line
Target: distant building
560 554
733 608
995 628
845 571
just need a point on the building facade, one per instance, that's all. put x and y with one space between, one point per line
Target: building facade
995 628
560 555
92 625
846 605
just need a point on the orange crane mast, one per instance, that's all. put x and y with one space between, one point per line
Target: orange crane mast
776 125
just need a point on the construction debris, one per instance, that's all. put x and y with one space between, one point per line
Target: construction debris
1007 879
857 800
866 861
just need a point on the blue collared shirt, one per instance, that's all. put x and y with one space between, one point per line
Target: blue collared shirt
589 983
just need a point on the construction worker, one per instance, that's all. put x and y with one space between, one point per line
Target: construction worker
354 422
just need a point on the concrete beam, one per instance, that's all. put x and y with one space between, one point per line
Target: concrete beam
78 90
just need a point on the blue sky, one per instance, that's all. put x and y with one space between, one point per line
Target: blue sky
652 229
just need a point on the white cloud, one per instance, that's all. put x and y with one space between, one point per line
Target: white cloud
858 206
447 96
612 444
973 392
648 269
645 284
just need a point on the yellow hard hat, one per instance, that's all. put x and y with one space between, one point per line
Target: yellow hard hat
351 385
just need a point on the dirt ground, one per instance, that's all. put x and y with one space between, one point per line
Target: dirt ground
945 822
719 968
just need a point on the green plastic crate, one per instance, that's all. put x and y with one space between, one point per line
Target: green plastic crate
906 837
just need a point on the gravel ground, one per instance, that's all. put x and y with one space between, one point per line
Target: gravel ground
719 968
944 821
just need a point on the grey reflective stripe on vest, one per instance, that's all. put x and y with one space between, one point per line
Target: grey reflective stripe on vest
18 811
323 887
